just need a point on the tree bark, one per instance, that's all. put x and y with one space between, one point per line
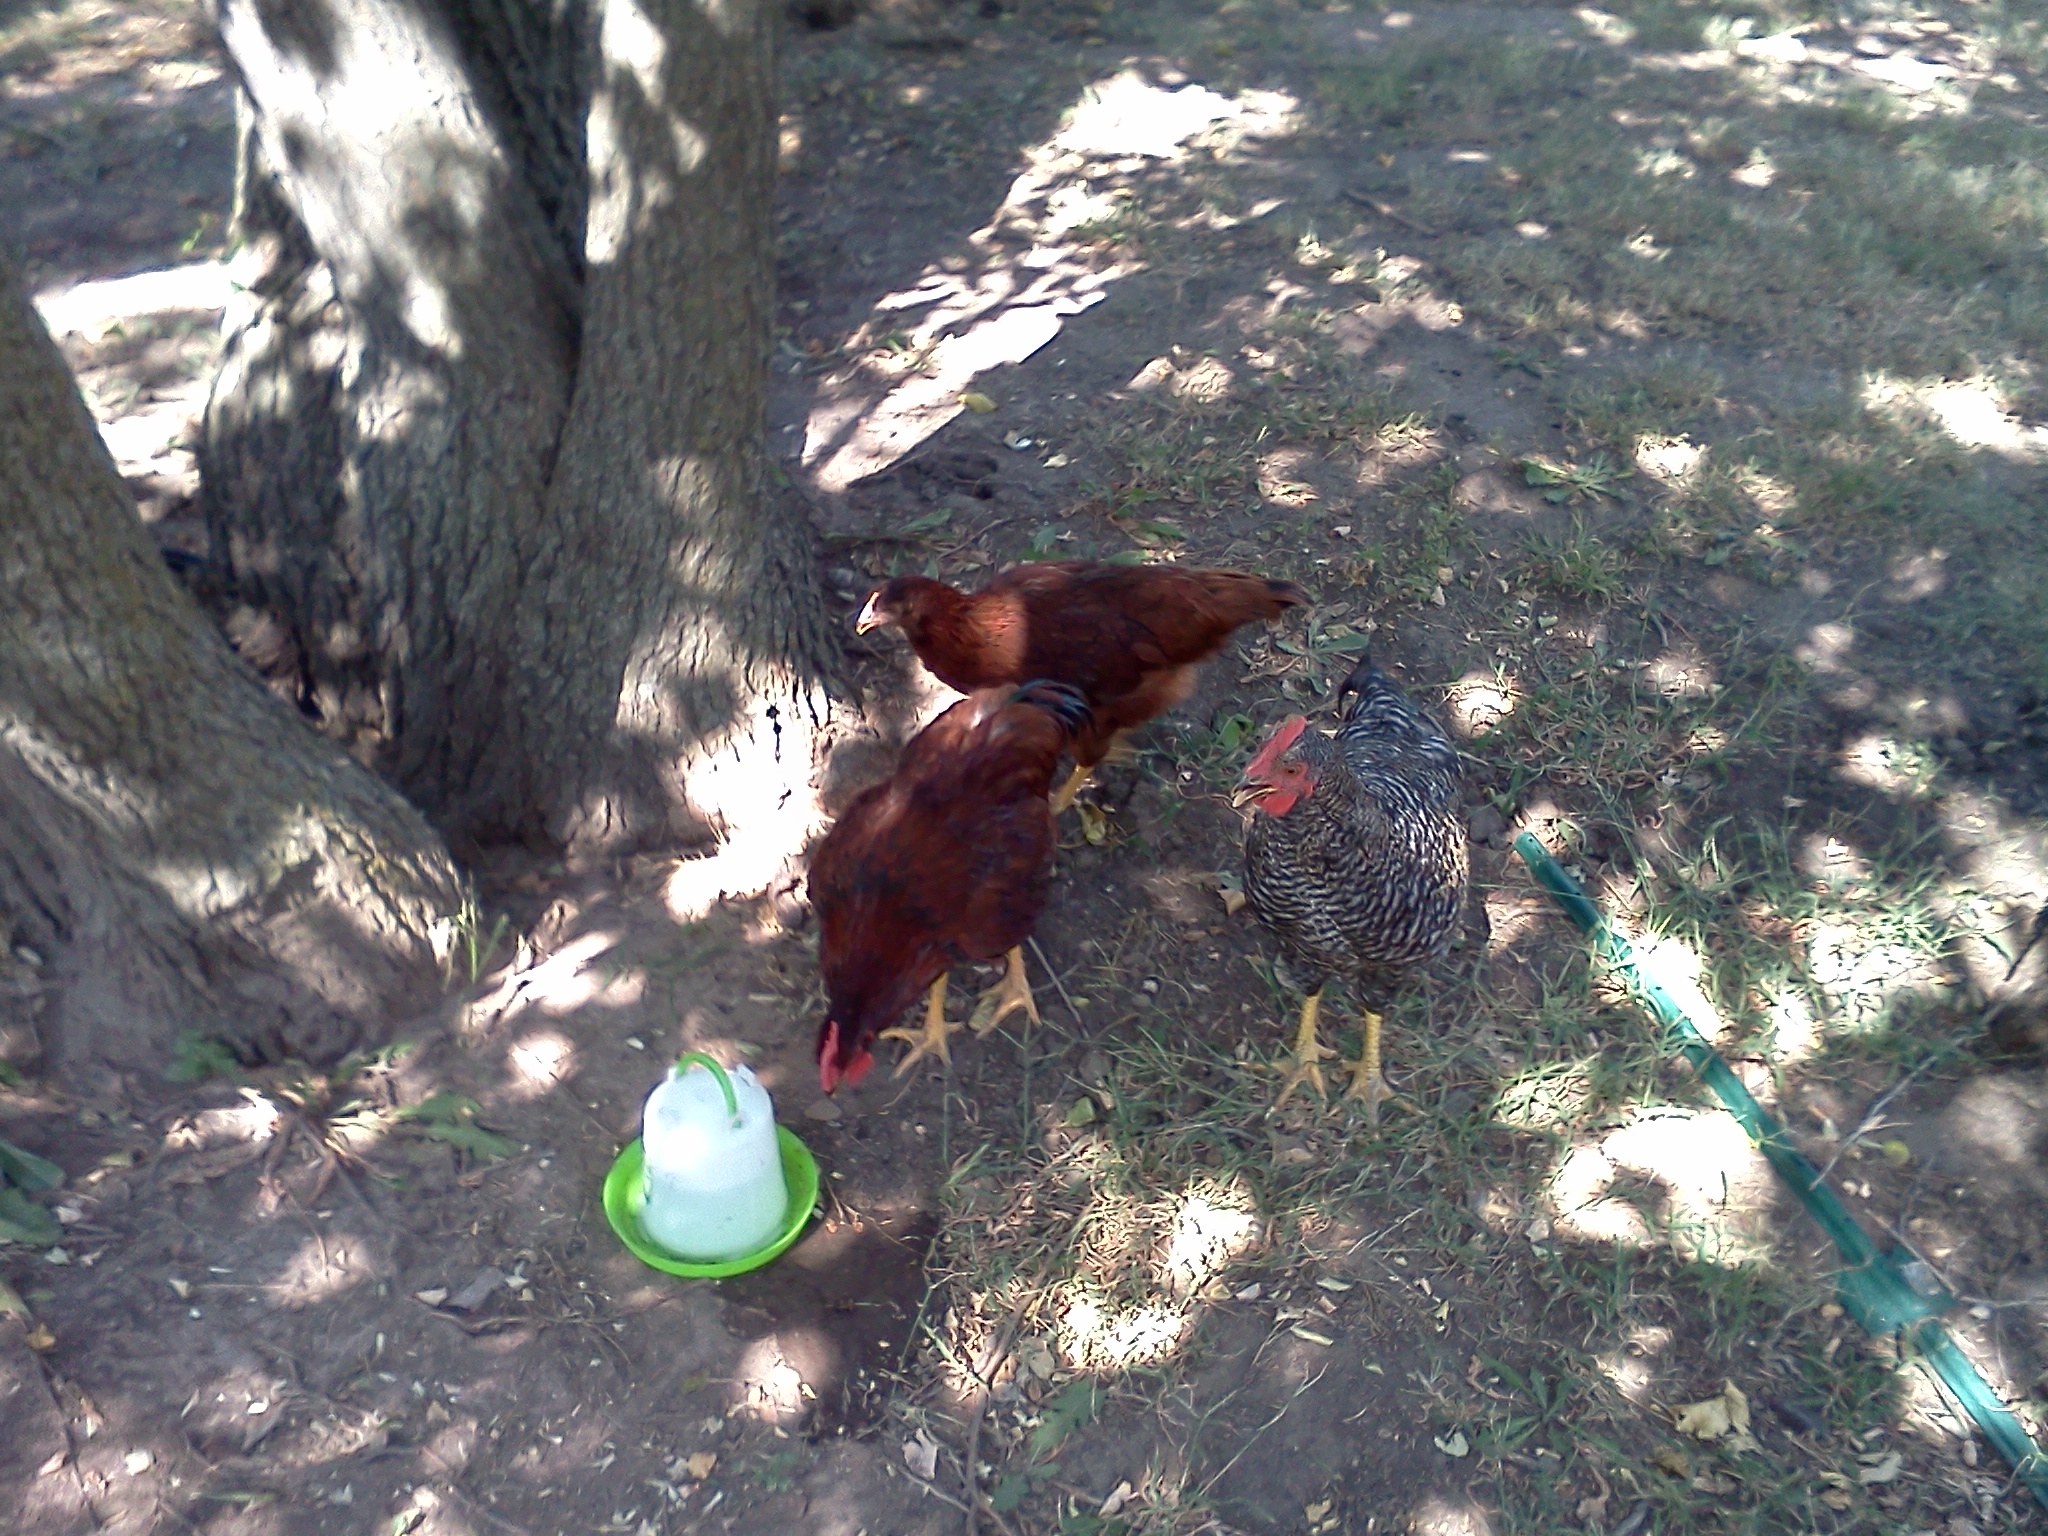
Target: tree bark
490 437
182 850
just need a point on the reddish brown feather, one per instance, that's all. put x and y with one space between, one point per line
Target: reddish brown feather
948 860
1129 637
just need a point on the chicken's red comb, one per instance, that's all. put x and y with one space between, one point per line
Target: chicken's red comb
1284 736
831 1072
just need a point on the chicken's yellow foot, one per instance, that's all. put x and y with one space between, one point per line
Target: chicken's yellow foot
1367 1082
1066 794
1005 997
931 1040
1309 1052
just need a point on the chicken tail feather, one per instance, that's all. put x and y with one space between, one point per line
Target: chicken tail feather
1366 679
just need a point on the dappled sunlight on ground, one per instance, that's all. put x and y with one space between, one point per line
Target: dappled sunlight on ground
540 1062
1974 412
1701 1186
1000 307
1479 701
1168 1247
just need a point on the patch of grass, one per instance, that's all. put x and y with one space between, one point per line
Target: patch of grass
1666 398
1436 86
1565 481
1575 564
1616 730
474 939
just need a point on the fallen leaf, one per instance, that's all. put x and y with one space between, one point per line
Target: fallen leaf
977 402
1315 1512
40 1338
135 1463
474 1294
1094 825
1315 1338
1713 1417
1116 1501
1896 1152
1058 461
699 1465
1671 1459
182 1289
1233 902
1883 1470
1035 1358
51 1464
922 1457
433 1296
1332 1283
1713 1483
1836 1498
1455 1444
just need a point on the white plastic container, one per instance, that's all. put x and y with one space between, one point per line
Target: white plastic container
714 1189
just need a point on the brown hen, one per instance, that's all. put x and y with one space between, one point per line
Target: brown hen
949 860
1130 637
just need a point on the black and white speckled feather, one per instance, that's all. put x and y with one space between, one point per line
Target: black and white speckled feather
1365 875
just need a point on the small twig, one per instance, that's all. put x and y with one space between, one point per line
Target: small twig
1387 211
2034 936
984 1381
1873 1117
990 1510
164 1507
472 1507
1057 985
1256 1434
44 1374
932 1488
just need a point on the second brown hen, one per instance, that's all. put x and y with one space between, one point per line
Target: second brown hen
1130 637
949 860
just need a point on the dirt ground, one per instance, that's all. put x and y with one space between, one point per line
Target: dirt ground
1294 289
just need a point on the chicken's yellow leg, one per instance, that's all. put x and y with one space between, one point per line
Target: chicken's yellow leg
1065 795
1005 997
1366 1081
931 1040
1308 1052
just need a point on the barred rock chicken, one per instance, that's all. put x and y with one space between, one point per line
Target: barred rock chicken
1130 637
949 860
1355 859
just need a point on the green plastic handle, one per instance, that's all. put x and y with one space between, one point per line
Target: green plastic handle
699 1059
1878 1289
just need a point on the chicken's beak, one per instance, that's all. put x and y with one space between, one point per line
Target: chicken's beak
871 616
1250 794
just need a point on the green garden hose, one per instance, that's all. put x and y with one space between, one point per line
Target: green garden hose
1886 1293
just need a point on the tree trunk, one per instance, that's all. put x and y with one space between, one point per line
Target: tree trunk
182 852
490 437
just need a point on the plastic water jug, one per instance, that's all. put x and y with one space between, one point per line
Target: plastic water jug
714 1189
